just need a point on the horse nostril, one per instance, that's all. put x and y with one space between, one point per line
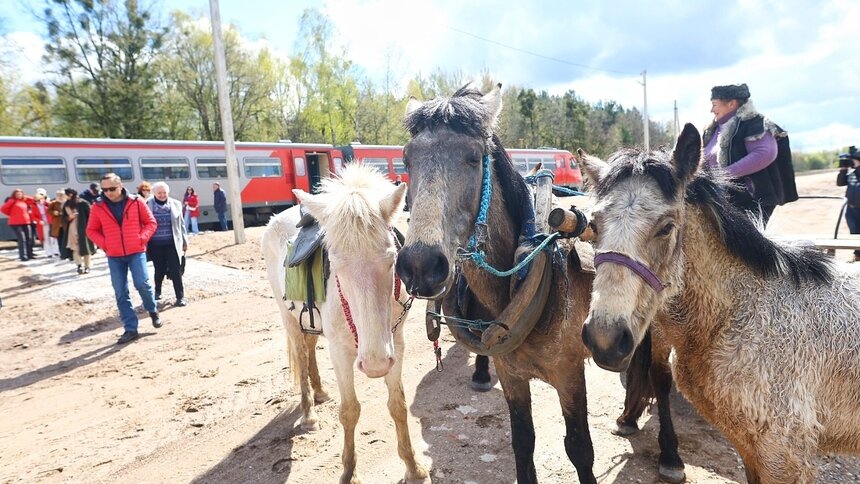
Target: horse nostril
586 339
624 342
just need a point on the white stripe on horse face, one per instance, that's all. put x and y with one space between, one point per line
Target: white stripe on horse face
626 221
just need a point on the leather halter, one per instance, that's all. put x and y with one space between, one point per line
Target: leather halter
639 268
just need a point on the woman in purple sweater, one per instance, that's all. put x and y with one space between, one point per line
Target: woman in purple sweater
744 144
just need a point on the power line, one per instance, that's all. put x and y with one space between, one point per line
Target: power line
535 54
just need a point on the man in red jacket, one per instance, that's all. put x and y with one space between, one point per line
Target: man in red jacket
121 224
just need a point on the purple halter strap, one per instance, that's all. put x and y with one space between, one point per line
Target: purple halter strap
639 268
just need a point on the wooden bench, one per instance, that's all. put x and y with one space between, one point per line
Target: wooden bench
830 245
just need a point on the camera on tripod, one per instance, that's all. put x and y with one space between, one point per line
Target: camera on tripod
845 158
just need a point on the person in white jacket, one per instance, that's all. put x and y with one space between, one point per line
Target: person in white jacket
169 241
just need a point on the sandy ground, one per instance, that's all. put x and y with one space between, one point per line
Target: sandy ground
207 398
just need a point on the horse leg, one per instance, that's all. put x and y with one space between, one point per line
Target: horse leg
574 407
415 472
519 398
638 388
320 395
300 355
350 409
671 467
481 377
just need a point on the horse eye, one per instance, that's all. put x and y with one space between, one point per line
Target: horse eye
666 230
593 228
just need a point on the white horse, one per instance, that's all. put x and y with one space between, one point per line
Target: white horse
356 211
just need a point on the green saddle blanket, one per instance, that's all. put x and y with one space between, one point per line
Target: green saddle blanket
309 274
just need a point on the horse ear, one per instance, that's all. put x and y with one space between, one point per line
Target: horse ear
312 203
493 101
392 203
412 105
594 167
688 153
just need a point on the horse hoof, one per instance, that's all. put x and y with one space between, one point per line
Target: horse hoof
321 397
624 430
419 476
671 474
425 480
480 386
310 425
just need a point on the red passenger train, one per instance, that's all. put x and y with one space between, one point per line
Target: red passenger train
389 159
267 171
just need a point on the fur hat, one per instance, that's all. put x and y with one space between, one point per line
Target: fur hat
733 91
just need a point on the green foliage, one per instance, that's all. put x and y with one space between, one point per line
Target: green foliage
103 52
817 160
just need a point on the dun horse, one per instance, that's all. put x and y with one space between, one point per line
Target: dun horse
355 211
766 334
454 158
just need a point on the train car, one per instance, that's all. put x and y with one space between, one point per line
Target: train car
561 162
389 159
385 158
267 171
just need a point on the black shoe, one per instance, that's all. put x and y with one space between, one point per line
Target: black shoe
80 270
181 302
126 337
158 296
156 321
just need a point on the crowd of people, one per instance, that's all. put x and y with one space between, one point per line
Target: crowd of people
130 228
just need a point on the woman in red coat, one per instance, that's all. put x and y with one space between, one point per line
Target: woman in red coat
18 208
191 204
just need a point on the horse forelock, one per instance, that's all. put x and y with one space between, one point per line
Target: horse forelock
354 217
463 112
630 162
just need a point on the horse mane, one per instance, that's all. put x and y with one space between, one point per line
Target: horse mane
741 236
353 208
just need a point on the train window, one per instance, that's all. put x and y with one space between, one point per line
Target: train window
521 165
548 163
31 171
378 164
399 167
262 167
211 167
155 169
93 169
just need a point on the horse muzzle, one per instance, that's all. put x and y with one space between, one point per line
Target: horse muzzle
611 343
424 270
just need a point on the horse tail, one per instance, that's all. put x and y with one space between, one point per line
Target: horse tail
640 392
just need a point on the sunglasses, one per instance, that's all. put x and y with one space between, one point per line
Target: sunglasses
110 189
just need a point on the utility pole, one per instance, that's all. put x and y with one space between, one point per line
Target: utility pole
233 189
645 123
676 125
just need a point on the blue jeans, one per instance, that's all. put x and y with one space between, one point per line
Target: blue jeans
191 223
852 218
24 234
119 268
222 219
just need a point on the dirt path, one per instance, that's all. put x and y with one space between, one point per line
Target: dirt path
206 397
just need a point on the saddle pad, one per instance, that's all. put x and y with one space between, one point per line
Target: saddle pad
296 279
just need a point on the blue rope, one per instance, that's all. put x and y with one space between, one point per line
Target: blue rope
479 258
479 234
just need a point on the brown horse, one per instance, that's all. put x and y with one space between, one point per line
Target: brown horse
453 148
766 334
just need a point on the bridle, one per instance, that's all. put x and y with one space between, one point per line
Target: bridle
640 269
406 305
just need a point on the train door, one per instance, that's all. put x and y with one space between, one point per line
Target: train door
319 167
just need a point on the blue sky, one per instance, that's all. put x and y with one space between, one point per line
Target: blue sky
799 58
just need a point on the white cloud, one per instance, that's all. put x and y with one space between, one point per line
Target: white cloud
22 56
